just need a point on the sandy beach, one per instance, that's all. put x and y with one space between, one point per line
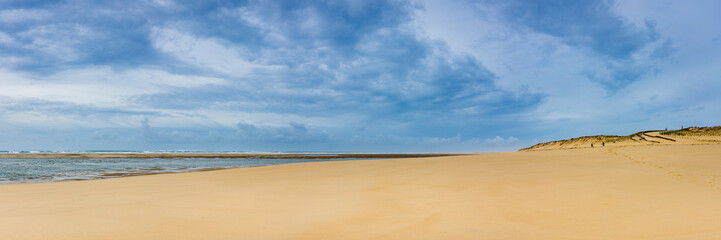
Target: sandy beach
634 192
360 120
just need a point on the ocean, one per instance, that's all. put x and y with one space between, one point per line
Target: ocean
15 170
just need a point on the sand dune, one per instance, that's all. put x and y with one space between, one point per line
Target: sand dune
633 192
691 135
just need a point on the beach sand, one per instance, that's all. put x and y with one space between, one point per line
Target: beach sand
633 192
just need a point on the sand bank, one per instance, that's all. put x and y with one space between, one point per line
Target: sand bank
642 192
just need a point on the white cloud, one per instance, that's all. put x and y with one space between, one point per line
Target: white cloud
164 3
523 61
58 41
21 15
45 116
454 22
95 86
211 54
456 143
499 139
105 98
6 39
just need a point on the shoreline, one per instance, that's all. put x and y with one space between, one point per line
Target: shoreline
224 155
157 163
141 172
159 166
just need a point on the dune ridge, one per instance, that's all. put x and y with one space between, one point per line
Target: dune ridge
690 135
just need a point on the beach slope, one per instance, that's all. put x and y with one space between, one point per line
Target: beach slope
633 192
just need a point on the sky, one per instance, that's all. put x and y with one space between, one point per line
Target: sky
351 76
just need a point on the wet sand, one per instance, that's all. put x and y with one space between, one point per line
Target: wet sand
634 192
222 155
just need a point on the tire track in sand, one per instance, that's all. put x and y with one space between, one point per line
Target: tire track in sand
644 161
667 170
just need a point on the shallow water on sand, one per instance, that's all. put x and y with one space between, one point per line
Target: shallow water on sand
13 170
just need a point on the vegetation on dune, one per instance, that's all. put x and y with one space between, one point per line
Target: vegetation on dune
596 139
639 137
695 131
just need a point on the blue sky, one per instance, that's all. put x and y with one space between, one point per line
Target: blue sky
358 76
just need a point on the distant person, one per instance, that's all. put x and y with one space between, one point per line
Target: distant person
603 144
591 144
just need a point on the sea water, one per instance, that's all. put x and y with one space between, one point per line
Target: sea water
14 170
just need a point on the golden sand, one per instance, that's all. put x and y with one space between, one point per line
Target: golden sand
633 192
